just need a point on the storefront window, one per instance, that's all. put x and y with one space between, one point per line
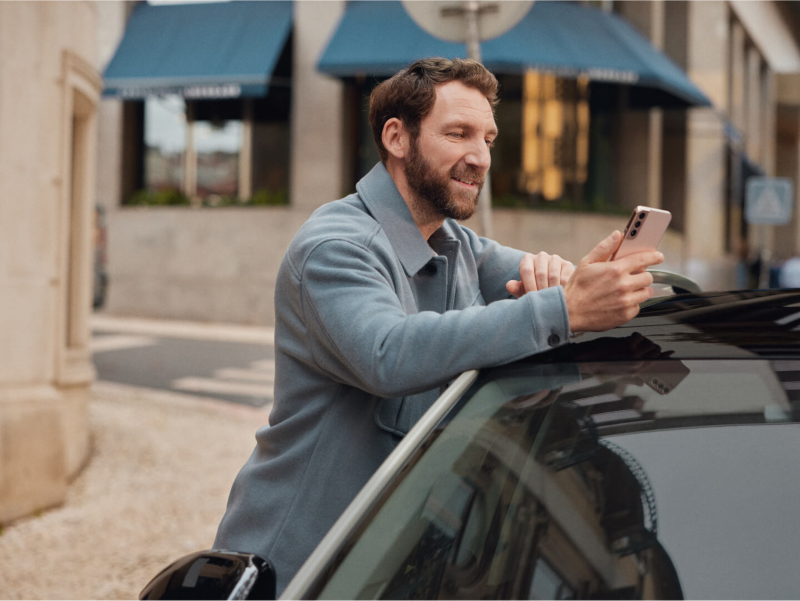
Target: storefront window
216 152
218 145
165 143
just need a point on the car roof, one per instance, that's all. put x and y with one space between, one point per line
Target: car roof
750 324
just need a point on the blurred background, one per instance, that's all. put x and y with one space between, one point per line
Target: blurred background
156 158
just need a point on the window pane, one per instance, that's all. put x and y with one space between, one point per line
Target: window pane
218 146
165 142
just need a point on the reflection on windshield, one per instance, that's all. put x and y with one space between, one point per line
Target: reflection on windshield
518 495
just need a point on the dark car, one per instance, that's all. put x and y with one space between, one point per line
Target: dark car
100 261
657 460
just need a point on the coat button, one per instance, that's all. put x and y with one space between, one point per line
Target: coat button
554 340
429 269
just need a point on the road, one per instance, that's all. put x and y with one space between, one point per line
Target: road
231 363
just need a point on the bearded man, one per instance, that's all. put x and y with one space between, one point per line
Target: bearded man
382 298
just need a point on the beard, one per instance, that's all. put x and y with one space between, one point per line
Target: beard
434 188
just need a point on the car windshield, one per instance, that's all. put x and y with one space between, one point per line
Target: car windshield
594 480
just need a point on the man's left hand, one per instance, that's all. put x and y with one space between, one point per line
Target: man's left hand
538 272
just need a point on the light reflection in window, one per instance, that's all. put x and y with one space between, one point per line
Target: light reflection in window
218 146
165 142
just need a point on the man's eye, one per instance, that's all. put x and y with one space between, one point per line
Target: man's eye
490 143
456 135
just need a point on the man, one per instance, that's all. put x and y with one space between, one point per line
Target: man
382 298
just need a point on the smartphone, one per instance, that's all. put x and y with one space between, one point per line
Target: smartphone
645 228
664 376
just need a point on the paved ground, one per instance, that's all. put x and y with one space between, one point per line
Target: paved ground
232 363
154 489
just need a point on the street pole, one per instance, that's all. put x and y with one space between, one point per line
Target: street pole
471 11
766 238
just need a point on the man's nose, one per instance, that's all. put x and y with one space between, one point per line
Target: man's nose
479 156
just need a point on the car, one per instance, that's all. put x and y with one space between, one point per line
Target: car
100 261
656 460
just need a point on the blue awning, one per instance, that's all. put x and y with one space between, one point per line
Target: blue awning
379 38
205 50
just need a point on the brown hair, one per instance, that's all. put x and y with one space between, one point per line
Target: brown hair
409 95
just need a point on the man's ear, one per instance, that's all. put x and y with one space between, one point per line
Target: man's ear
395 138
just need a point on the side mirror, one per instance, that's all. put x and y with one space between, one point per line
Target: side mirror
214 574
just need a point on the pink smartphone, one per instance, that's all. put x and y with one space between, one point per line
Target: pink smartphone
643 232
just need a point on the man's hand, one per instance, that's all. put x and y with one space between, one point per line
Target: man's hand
538 272
601 295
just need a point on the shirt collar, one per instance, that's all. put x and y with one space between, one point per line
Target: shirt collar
383 200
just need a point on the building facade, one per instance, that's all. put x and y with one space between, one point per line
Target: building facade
49 92
207 178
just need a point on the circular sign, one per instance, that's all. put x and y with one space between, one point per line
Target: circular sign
448 20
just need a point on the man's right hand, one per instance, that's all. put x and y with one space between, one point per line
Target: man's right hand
603 294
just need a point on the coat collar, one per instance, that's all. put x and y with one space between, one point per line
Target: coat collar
383 200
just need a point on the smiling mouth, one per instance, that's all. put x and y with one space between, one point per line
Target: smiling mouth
461 181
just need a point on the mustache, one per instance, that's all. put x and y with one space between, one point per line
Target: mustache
467 173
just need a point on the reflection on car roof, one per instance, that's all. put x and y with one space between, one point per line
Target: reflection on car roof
724 325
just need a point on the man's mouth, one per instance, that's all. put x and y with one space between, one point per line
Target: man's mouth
466 182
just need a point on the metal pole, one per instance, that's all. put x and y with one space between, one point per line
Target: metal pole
471 11
766 239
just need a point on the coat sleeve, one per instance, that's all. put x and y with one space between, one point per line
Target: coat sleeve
360 335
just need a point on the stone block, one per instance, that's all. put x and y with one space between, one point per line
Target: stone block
32 466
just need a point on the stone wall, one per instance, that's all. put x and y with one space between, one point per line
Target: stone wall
48 91
221 264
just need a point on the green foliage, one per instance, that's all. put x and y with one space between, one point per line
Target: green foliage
159 198
262 198
266 197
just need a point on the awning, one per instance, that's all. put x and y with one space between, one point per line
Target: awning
379 38
204 50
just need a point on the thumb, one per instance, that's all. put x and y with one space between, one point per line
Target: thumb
604 249
515 288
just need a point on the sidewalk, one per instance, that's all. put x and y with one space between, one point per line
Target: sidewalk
154 489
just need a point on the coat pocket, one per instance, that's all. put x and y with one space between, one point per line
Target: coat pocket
397 416
387 415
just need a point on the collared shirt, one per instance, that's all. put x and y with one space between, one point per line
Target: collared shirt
372 321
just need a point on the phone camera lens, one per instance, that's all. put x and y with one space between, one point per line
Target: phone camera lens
633 233
642 215
637 224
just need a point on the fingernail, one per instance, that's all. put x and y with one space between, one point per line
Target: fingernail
660 256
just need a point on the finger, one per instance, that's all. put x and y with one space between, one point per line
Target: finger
604 249
541 263
640 280
515 287
639 296
554 272
640 261
527 273
567 269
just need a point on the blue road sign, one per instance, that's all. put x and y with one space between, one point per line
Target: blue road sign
768 200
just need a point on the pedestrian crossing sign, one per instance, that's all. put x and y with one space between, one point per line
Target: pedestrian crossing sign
768 200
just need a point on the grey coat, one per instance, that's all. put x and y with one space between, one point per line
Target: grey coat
371 323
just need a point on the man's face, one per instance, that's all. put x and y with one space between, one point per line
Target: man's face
448 162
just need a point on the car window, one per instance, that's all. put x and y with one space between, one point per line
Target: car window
520 493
